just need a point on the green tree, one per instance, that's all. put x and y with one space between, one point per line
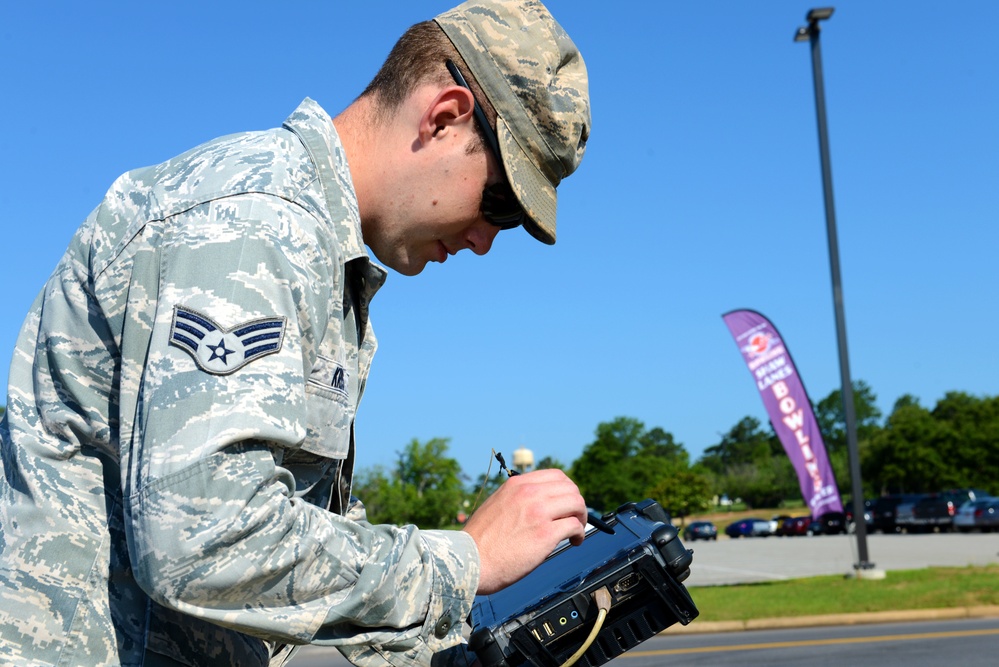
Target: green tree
424 489
969 434
683 492
951 446
831 418
904 456
548 462
625 463
746 443
750 463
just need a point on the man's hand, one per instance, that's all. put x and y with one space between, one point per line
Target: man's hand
522 522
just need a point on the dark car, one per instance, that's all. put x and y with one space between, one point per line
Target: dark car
905 516
700 530
828 523
868 514
936 511
748 528
987 517
795 525
851 525
884 511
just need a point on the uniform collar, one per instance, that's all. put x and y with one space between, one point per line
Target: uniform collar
315 128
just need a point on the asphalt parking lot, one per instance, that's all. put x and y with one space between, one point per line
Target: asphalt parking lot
756 559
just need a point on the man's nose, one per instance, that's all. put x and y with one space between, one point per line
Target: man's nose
480 236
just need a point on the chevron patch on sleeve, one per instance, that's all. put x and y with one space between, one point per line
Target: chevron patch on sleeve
222 351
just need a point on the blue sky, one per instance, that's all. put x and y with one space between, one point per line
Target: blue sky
700 193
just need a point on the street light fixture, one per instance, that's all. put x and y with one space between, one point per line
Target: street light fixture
810 33
820 14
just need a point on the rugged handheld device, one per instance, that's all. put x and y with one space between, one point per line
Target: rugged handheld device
548 617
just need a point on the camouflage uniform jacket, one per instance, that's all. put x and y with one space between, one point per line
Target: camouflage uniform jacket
178 442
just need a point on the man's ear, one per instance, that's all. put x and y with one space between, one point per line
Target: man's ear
452 107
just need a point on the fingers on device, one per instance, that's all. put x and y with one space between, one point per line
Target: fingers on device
547 618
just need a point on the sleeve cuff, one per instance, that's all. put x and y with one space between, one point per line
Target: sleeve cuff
450 560
454 558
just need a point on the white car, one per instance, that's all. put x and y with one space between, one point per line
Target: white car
964 519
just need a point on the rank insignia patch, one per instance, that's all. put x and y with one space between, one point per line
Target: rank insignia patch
223 351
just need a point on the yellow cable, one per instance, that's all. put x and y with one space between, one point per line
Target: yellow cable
603 599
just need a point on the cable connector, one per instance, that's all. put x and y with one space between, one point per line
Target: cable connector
602 597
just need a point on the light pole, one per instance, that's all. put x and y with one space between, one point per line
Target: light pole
810 33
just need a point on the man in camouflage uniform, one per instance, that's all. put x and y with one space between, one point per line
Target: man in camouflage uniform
178 444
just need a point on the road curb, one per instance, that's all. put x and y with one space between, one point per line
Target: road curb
860 618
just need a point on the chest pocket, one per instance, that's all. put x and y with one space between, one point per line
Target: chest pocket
329 401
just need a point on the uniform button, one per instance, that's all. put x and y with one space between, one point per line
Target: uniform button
443 625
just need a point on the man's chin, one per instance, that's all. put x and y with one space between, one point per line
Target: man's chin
410 268
406 266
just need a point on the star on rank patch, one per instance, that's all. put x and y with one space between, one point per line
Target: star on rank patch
222 351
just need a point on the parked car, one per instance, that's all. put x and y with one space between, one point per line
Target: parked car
936 511
884 511
987 518
748 528
828 523
795 525
776 522
905 516
851 525
964 520
700 530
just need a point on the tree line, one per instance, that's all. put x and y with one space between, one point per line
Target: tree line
914 449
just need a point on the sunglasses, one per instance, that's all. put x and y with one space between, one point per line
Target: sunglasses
499 206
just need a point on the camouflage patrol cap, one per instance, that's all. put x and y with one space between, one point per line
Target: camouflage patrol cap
536 80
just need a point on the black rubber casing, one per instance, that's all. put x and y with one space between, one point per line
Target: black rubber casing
546 616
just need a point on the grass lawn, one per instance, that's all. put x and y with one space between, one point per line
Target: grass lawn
930 588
